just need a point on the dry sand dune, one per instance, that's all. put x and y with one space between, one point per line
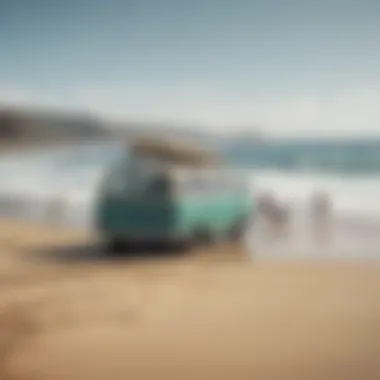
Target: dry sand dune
72 314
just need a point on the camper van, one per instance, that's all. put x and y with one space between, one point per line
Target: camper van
148 200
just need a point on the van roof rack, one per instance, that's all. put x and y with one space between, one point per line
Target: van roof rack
175 151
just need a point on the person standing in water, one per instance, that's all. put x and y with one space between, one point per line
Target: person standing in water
321 216
275 216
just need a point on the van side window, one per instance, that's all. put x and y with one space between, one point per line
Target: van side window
199 186
191 186
231 185
203 184
218 184
212 185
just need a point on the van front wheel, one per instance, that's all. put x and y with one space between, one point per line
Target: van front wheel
238 231
117 246
202 237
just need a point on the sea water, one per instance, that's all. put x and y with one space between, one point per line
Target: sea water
348 171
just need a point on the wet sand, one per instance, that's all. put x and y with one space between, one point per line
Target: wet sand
67 311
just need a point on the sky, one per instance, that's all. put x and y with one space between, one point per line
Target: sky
286 67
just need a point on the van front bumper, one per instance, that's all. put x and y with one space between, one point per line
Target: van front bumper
136 238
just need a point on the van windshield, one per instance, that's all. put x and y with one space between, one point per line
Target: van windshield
138 181
159 185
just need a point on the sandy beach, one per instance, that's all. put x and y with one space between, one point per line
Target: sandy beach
67 311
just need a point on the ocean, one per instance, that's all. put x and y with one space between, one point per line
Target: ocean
349 171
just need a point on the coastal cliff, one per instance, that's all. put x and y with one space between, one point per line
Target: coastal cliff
19 128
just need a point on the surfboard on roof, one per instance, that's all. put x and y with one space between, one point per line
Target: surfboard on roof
175 151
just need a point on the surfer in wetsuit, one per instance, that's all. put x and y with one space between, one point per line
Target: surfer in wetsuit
275 215
321 215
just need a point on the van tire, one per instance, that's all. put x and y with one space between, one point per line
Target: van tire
238 231
117 246
184 245
202 237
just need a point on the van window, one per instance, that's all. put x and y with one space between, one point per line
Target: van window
137 180
230 184
199 184
159 185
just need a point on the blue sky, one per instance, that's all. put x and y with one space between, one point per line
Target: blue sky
286 66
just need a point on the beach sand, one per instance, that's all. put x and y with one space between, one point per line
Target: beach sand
69 312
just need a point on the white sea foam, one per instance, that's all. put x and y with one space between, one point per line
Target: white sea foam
356 213
33 180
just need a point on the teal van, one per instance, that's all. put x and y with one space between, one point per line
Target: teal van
153 202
